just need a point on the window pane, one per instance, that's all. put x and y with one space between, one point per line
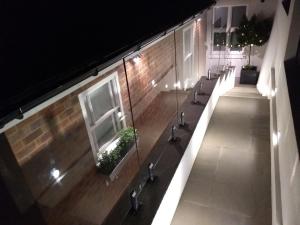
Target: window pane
115 92
220 20
187 41
107 130
234 45
219 41
101 101
237 14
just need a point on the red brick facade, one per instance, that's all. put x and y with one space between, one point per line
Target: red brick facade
36 132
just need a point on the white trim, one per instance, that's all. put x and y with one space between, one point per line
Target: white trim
104 117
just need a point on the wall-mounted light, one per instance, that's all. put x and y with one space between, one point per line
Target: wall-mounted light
177 85
199 20
137 59
55 173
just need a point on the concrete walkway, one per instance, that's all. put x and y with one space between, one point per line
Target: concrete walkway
230 180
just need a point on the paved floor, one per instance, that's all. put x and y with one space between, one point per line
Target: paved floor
230 180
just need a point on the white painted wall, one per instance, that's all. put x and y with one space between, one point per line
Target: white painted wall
294 32
238 59
285 157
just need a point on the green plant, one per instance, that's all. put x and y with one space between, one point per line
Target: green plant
252 32
107 161
126 139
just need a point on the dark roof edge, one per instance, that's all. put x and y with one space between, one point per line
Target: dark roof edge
19 113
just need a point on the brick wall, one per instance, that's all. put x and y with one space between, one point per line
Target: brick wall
156 62
38 131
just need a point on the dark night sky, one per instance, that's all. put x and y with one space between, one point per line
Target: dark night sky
43 43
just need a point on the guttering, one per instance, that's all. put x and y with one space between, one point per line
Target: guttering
43 101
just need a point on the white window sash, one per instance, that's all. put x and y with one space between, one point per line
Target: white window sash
104 117
228 30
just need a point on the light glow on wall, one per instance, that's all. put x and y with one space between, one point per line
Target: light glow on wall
55 173
273 92
178 85
137 59
153 82
185 84
121 116
276 138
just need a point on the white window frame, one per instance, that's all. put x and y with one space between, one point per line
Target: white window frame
90 121
229 29
191 28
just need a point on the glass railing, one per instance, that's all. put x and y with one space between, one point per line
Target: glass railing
80 154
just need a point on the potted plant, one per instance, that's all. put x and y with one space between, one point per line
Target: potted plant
252 32
109 160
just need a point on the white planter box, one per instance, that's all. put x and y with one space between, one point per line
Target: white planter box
114 174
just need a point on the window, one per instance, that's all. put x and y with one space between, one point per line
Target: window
220 28
226 20
188 51
103 113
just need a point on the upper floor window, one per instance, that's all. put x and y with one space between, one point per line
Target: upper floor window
226 20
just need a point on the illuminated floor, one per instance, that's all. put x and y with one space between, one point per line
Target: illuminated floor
230 180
